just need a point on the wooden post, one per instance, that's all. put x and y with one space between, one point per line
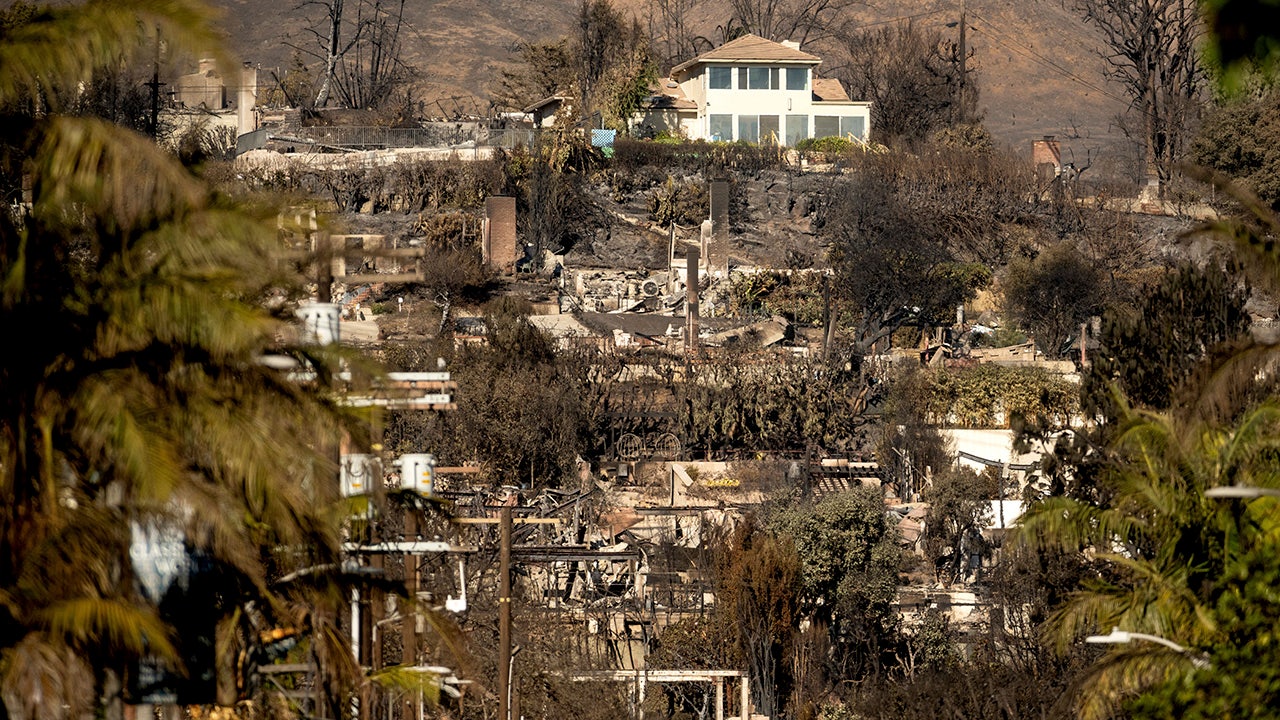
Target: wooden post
409 621
504 618
640 695
719 698
1084 355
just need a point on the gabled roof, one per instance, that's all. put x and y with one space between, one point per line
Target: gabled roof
829 90
751 48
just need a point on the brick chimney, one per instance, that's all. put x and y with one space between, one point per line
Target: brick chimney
1046 155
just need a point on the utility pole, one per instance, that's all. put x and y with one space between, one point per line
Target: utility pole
153 121
409 622
964 50
504 618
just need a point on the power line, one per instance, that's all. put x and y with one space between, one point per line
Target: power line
1028 52
898 19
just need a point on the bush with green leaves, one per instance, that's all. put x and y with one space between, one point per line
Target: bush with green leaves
698 156
827 148
796 296
849 561
988 395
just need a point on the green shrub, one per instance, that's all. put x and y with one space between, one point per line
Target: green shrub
795 296
829 146
697 156
989 395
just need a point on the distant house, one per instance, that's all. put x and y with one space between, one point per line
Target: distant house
544 112
204 88
756 90
208 94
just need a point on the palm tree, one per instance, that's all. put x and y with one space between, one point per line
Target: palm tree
1160 550
132 400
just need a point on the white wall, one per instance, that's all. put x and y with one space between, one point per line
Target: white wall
737 102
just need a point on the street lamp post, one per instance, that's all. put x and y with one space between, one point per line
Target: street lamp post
1124 637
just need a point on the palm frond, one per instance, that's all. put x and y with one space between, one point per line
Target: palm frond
44 680
1121 672
108 626
405 679
89 169
64 45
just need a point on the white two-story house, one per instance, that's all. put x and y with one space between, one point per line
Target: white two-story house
756 90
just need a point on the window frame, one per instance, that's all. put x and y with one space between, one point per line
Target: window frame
728 77
832 123
795 134
859 132
802 74
728 123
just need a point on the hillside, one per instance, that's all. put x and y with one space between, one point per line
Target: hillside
1035 62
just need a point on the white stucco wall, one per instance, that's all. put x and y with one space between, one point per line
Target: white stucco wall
781 103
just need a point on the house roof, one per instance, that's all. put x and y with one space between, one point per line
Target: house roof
829 90
751 48
547 101
666 95
559 326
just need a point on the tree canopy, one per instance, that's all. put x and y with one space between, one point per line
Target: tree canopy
138 418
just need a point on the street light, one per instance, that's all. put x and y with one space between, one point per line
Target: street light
1124 637
1241 492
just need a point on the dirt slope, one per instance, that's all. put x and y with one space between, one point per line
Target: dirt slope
1037 65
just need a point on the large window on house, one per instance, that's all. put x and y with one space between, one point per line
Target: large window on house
757 78
720 127
797 129
769 130
720 78
853 125
759 128
797 78
841 126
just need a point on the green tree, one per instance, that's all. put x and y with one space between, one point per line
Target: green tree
1242 678
1239 139
1243 34
848 575
959 507
1150 356
1160 549
1051 295
138 402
